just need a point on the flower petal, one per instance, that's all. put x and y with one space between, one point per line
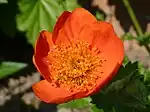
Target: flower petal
42 47
86 34
105 39
59 24
109 71
102 33
114 55
98 34
74 24
48 93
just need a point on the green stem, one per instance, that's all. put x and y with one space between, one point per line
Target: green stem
133 17
134 20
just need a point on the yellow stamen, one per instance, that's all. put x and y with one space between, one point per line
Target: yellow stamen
74 66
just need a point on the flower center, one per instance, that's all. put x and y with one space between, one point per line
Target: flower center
75 66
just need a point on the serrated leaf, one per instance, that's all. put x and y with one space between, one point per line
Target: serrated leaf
136 95
37 15
8 68
130 90
125 94
120 84
79 103
126 70
3 1
107 102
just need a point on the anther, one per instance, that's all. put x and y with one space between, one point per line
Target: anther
75 66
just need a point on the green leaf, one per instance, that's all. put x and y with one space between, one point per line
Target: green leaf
8 68
69 4
120 84
3 1
126 93
107 103
126 60
130 90
147 76
144 39
94 108
145 72
127 36
37 15
136 95
99 16
126 70
79 103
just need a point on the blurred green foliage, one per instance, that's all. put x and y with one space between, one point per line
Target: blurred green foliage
79 103
3 1
9 68
37 15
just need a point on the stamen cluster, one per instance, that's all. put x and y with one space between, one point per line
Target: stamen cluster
74 66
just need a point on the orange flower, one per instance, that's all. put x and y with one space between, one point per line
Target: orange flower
77 59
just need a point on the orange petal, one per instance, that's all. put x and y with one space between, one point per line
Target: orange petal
105 39
86 34
114 54
48 93
103 33
42 47
74 24
59 24
98 34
